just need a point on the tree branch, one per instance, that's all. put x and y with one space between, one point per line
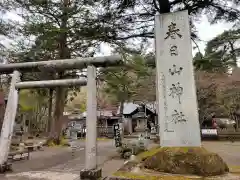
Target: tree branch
155 5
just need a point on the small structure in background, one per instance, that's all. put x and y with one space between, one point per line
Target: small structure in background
73 142
106 119
139 117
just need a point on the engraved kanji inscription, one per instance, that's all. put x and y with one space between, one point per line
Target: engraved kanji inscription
173 31
165 104
173 50
178 117
176 91
174 70
167 129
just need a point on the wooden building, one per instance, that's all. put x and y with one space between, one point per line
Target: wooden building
105 121
137 116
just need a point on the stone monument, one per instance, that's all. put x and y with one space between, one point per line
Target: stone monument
180 151
177 102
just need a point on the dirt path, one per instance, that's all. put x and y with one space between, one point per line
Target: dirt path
229 151
43 159
57 163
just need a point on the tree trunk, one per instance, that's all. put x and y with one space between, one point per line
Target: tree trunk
121 110
121 123
233 54
50 124
164 6
63 54
59 108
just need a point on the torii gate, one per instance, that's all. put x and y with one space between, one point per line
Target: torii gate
57 65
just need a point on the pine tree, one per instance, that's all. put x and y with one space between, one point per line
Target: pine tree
221 53
134 82
55 27
225 47
125 21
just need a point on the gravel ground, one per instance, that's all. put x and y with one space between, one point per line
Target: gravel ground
227 150
57 163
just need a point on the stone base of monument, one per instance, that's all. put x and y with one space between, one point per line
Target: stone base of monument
187 160
92 174
176 164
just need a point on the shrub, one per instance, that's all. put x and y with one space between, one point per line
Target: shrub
128 149
124 149
138 148
59 141
127 155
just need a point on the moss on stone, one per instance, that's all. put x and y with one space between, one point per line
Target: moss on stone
134 176
185 160
146 154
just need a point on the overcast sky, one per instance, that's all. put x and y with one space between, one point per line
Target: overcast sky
205 32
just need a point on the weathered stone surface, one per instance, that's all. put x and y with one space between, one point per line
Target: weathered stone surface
172 177
121 178
176 97
91 174
197 161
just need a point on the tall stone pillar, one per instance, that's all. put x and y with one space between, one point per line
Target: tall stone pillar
91 171
9 119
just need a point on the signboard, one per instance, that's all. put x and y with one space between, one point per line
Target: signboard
117 135
177 102
209 132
